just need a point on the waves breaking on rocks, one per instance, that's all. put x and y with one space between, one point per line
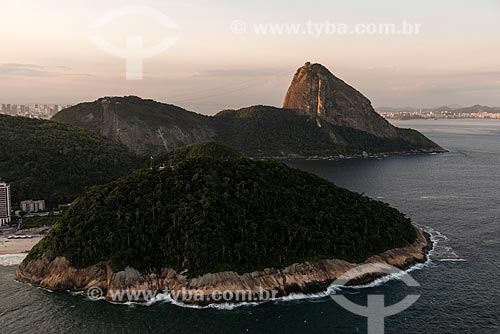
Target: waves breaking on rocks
435 236
12 259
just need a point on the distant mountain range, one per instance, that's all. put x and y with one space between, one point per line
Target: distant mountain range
321 116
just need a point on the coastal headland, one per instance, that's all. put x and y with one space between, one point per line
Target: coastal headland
304 278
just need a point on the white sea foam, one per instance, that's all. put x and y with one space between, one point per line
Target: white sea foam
301 296
12 259
167 299
334 288
436 238
441 251
438 197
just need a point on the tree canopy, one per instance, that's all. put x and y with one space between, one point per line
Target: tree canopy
228 214
57 162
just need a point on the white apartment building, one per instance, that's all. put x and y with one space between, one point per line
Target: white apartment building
5 205
33 206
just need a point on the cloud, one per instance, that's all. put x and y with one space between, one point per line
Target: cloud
25 70
35 71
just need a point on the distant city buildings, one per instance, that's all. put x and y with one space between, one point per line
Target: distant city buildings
439 114
5 205
43 111
31 206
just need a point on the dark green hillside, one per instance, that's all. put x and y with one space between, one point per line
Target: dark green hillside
270 131
56 162
151 127
210 149
212 215
408 140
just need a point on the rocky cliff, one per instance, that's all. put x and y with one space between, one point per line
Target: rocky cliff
315 91
307 278
145 126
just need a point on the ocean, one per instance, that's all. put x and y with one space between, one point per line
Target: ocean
455 196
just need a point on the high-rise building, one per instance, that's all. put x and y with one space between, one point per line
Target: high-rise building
5 206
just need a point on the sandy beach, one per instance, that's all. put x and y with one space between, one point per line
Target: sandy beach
17 246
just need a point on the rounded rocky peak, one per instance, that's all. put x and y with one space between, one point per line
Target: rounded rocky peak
317 92
314 68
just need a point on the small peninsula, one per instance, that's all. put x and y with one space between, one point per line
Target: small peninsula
210 219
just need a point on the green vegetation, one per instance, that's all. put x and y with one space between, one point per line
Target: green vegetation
258 131
211 215
210 149
409 140
56 162
37 221
269 131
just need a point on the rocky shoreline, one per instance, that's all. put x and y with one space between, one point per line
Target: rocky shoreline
304 278
364 155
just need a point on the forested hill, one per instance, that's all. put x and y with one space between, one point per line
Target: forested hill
269 131
56 162
232 214
210 149
151 127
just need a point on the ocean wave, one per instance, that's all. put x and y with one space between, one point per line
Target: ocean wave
12 259
438 197
441 250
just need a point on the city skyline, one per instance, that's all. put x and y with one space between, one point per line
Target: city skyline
31 110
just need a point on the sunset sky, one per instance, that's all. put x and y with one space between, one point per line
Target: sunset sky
48 53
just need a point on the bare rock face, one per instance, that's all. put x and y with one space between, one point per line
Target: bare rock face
145 126
315 91
307 278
